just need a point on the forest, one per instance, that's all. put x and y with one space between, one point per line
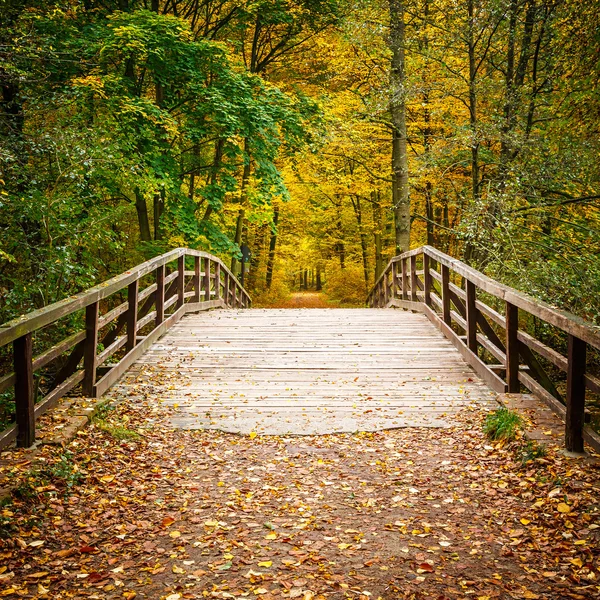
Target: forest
326 136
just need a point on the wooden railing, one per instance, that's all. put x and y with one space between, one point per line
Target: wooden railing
451 294
119 319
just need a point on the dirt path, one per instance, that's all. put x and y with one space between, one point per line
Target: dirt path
305 300
410 513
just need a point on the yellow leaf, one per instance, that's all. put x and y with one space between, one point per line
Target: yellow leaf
178 570
525 521
259 591
271 536
253 434
563 508
107 478
228 556
175 534
265 563
577 562
344 546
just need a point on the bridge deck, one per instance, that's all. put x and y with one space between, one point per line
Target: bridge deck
306 372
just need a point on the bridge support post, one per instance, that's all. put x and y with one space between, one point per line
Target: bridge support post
471 316
180 281
24 392
512 349
196 281
404 281
414 286
446 295
426 279
89 352
394 280
217 281
575 416
206 285
160 295
132 314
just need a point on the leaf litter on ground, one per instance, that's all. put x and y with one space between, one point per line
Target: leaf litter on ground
408 513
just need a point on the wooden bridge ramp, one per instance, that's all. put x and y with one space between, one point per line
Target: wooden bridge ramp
306 372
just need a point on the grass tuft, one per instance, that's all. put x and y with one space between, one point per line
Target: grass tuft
503 425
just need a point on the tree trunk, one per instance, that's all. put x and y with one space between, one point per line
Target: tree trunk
239 227
159 208
363 238
319 279
377 234
400 188
142 213
272 247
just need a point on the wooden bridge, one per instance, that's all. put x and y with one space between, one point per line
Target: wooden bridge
462 339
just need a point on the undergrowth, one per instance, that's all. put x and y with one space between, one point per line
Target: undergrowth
102 421
504 425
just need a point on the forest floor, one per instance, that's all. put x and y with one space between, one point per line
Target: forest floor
133 508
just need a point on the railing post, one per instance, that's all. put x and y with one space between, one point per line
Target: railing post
132 313
446 316
404 281
160 296
575 416
512 348
89 352
471 316
196 282
394 279
24 394
217 281
426 279
226 288
386 289
180 281
413 279
234 294
207 280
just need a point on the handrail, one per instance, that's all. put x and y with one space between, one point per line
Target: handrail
455 308
210 285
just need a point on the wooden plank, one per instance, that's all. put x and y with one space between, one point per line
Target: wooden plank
132 313
173 300
206 284
90 345
405 304
171 277
575 413
24 393
512 348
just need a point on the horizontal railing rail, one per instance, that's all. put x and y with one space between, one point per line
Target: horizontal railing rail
119 322
446 291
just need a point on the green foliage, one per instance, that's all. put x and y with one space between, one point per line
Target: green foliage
102 420
531 450
503 425
57 477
